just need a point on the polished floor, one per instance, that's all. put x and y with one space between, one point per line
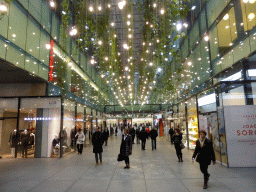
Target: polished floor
150 171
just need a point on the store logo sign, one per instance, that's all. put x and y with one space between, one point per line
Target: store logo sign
52 102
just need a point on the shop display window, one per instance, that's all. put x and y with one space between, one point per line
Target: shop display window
68 127
182 123
192 122
3 46
232 94
39 127
8 127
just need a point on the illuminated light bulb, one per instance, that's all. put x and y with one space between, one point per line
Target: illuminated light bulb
252 1
130 36
150 64
109 5
157 40
115 35
106 58
178 26
162 11
91 8
129 16
92 61
73 31
159 69
154 5
126 68
112 24
128 22
99 8
166 59
52 4
185 25
125 46
226 17
100 42
251 16
129 29
206 38
189 63
48 46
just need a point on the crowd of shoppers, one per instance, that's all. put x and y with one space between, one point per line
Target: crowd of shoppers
203 154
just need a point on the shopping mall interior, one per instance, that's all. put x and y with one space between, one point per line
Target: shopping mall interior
67 65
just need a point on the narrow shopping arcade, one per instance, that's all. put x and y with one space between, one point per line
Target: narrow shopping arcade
150 171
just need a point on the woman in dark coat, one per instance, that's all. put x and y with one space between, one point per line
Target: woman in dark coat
177 138
204 154
97 142
126 147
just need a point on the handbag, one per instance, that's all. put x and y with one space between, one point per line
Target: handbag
182 146
120 157
76 137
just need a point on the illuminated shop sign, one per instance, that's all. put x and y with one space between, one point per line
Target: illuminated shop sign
41 119
51 62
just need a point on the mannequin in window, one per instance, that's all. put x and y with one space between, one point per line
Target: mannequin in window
12 140
56 145
24 143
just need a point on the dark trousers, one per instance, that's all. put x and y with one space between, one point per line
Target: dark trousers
153 141
171 139
24 151
204 170
143 144
80 148
126 160
133 139
96 157
138 140
106 142
178 151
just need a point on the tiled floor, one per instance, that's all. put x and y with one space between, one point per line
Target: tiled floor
150 171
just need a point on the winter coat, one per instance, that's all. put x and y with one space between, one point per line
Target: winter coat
97 142
81 138
132 132
171 131
138 132
105 135
126 145
204 154
177 139
153 134
143 135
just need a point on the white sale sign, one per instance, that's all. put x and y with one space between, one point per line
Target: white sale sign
240 125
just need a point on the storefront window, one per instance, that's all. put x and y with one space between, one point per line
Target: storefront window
182 123
39 127
192 122
248 11
227 32
8 125
68 126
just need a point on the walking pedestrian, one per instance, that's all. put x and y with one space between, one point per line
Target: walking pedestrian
138 135
97 142
116 131
204 154
177 139
106 135
80 141
171 132
132 133
143 137
126 147
153 135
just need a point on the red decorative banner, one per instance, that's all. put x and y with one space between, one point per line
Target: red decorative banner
51 62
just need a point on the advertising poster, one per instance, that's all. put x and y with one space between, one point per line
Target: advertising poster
240 124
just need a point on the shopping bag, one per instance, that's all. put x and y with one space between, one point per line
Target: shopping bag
120 157
182 146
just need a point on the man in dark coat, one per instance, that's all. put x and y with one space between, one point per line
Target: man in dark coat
132 133
106 135
126 147
171 132
24 143
143 137
138 135
153 135
204 154
97 142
